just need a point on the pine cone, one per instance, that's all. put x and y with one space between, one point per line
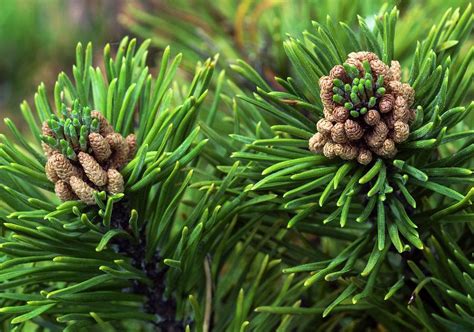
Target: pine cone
395 71
64 191
364 157
324 126
338 133
93 170
132 145
326 85
340 114
105 127
45 130
82 190
372 117
386 103
63 167
379 68
401 130
354 130
85 162
338 72
316 143
121 150
367 110
100 147
50 172
115 184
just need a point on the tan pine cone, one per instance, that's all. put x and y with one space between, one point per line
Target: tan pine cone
353 130
82 190
115 182
408 93
338 133
131 140
386 103
48 151
50 172
372 117
329 150
395 87
324 126
339 72
395 71
379 68
105 127
340 114
401 131
364 157
401 111
362 56
63 167
100 147
387 149
92 168
346 151
316 142
328 115
326 85
45 130
64 191
120 150
378 135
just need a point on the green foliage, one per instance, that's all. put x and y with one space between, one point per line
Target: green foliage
388 208
228 222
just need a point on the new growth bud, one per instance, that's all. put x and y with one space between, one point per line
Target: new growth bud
81 161
366 109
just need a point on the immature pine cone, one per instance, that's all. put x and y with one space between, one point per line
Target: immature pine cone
367 110
84 154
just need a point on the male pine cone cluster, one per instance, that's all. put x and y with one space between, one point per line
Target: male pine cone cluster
95 163
367 110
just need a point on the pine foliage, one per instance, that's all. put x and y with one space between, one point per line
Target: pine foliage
228 222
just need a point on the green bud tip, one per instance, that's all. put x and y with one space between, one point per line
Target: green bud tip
337 98
380 81
372 102
64 110
355 81
348 106
381 91
363 110
347 88
366 66
355 114
355 99
83 130
70 153
337 82
95 124
72 130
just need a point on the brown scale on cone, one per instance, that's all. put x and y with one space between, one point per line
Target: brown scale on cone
367 110
92 162
115 184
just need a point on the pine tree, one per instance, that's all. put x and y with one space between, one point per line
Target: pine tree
337 199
